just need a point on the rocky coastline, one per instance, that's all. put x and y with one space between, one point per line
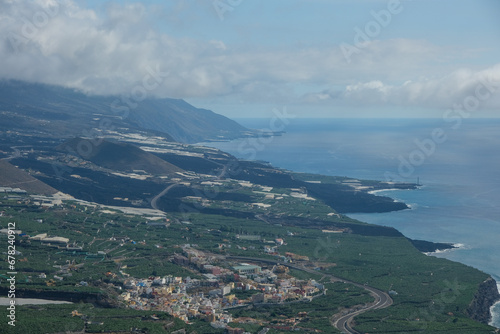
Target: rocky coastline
485 297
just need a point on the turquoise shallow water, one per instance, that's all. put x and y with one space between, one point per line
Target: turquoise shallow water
460 198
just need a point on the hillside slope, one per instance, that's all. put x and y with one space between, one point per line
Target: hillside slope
11 176
62 112
122 157
184 122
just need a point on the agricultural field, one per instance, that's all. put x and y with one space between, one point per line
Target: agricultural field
106 241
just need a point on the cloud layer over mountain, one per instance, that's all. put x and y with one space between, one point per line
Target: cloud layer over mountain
113 51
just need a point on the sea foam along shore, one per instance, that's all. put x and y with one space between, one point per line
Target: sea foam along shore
374 192
456 246
495 308
411 206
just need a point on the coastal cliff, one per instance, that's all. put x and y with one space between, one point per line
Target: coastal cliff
486 295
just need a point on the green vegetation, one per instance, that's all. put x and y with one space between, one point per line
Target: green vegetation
115 245
316 314
60 319
218 205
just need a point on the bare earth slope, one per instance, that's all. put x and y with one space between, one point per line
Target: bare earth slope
11 176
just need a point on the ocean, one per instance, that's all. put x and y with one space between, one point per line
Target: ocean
457 162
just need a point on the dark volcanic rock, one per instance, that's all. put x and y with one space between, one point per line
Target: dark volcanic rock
427 246
123 157
485 297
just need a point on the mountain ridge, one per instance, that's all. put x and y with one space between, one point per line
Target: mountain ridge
121 156
63 112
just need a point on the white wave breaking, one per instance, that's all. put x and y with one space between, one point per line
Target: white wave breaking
456 246
495 312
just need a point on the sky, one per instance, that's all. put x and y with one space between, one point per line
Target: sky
246 58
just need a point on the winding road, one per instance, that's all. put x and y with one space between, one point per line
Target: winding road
342 323
15 154
157 197
382 300
154 201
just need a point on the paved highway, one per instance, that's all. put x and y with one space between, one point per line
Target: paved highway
154 201
343 323
15 154
157 197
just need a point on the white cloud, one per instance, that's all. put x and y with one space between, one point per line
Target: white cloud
63 43
440 92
